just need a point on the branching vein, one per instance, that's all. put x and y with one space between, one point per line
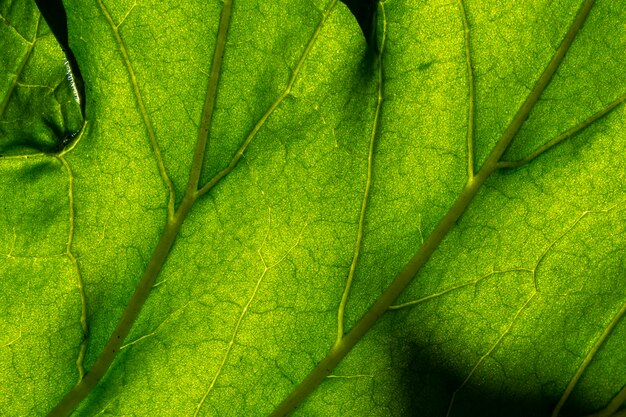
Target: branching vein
563 136
490 351
245 309
542 83
209 102
611 410
455 288
419 259
599 342
587 360
239 154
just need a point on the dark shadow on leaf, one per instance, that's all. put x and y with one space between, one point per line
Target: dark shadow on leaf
428 384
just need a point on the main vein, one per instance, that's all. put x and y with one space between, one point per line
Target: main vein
473 185
175 217
172 226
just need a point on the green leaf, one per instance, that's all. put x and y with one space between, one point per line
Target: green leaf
38 105
269 185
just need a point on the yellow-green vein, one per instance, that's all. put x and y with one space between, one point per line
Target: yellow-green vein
368 185
490 351
79 278
245 309
173 224
470 82
611 409
449 220
588 358
75 142
535 94
558 239
209 102
563 136
8 24
172 316
454 288
142 109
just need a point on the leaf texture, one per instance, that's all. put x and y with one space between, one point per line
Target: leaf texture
38 105
326 168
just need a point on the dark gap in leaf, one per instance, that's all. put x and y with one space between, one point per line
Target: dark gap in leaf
365 13
54 14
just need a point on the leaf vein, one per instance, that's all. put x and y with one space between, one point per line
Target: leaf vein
599 342
20 69
245 309
142 108
564 136
490 351
471 98
79 279
239 153
368 185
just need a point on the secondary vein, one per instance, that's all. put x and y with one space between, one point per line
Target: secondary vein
173 224
79 279
209 102
587 361
20 69
493 347
142 108
239 154
454 288
244 310
542 83
368 186
564 136
470 81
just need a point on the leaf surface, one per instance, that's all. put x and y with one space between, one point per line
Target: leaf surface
331 165
38 105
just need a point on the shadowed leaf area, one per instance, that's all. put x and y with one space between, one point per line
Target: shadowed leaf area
263 214
38 108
